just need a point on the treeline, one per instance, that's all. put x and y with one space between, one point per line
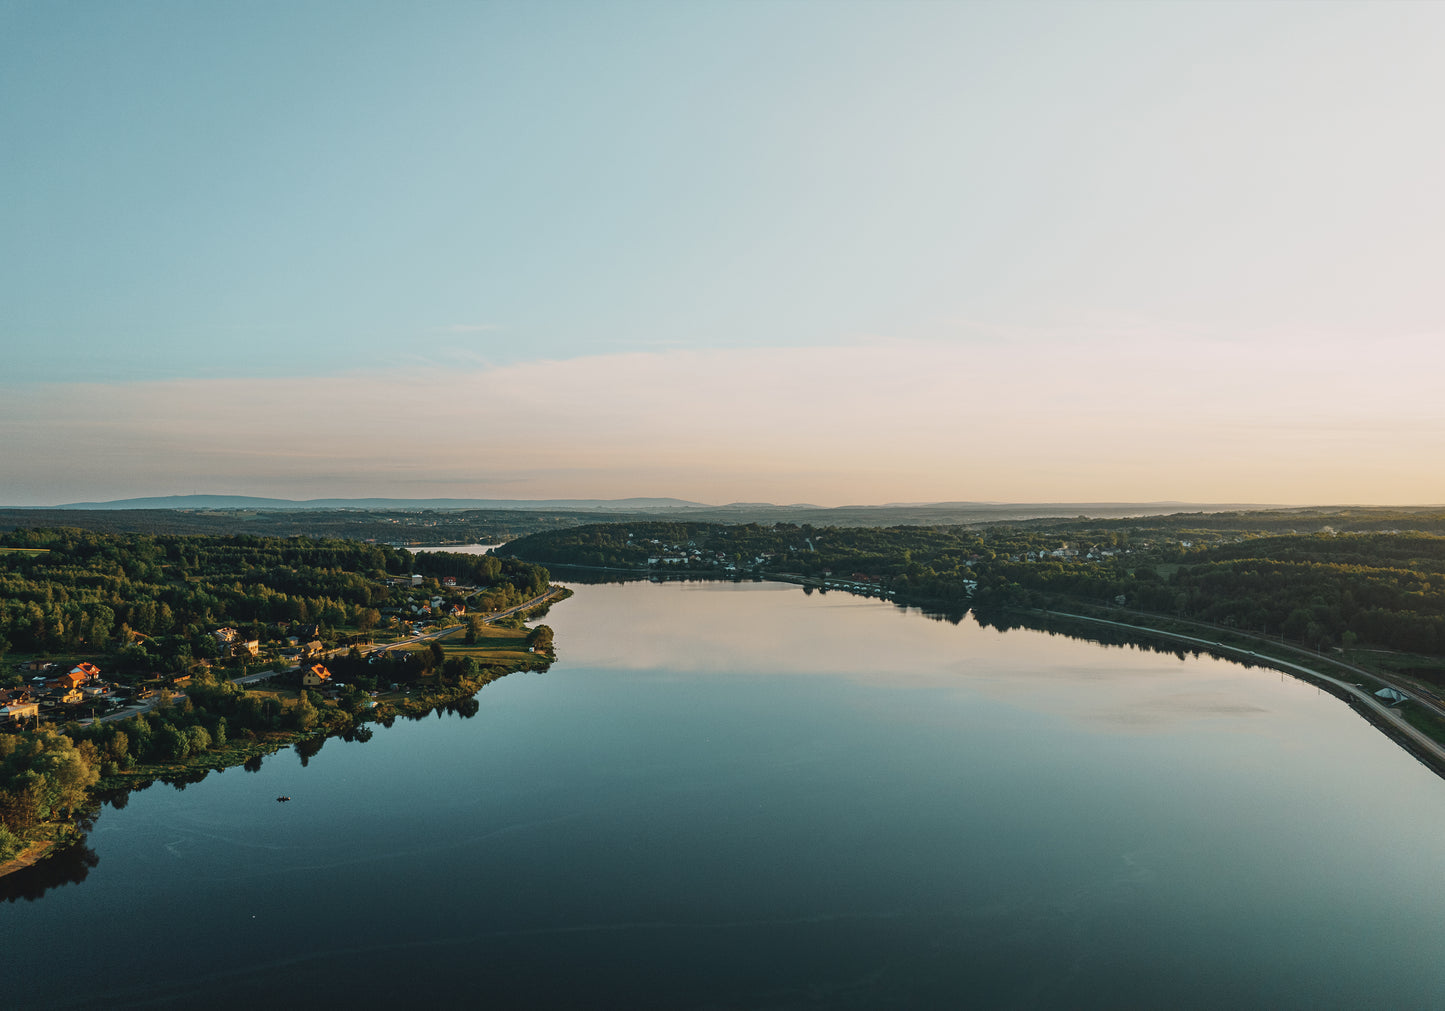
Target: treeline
421 526
485 570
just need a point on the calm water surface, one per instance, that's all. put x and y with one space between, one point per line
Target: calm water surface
456 549
742 796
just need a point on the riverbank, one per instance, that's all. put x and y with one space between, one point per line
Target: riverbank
27 857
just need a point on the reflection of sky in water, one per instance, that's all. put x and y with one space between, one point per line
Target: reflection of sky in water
743 630
687 811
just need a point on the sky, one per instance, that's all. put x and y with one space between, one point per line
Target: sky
837 253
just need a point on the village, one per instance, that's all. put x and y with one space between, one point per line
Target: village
58 692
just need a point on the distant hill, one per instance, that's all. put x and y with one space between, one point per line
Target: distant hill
251 502
734 512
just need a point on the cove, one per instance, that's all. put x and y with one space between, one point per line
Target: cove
740 795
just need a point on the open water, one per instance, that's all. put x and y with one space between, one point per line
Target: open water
745 796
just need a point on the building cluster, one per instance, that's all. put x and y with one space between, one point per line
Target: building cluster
54 693
1062 554
233 643
691 556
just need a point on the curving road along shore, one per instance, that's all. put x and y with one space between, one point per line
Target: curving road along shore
1387 718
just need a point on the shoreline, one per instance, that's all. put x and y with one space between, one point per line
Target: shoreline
28 857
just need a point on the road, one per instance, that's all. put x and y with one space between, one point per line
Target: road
1390 715
143 707
487 619
427 636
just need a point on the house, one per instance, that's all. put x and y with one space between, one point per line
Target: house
449 580
65 694
458 610
315 676
87 671
17 711
226 636
248 647
71 679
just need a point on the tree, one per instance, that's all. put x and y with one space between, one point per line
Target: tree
304 714
540 639
10 844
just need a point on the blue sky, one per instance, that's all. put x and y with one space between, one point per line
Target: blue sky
1229 212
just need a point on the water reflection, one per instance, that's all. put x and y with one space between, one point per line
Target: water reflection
950 822
309 749
69 865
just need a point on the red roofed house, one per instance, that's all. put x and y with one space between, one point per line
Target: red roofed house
89 670
315 675
71 680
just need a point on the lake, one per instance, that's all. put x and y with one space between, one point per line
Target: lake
455 549
740 795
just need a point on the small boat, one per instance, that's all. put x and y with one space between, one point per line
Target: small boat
283 799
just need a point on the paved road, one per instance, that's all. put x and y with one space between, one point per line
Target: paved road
1391 715
142 707
487 619
427 636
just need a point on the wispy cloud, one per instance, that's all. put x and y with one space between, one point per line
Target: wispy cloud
1113 419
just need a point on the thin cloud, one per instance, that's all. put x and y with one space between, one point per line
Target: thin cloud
1112 420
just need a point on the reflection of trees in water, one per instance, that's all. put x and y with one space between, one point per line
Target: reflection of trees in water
1103 635
181 780
465 708
71 863
68 865
309 748
952 615
593 577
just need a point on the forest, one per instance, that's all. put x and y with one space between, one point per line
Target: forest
395 526
144 600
